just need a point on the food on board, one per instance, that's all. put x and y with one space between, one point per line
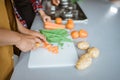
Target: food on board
58 36
37 44
51 48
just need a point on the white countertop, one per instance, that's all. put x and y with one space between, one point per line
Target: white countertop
104 33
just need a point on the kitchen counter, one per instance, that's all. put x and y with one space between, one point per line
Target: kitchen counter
104 28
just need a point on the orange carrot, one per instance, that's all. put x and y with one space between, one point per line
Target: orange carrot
37 44
50 25
49 47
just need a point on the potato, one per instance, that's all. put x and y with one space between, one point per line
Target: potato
84 62
93 52
83 45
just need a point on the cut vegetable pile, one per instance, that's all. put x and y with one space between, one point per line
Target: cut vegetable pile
51 48
57 36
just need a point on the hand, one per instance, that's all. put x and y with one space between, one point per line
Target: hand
26 31
56 2
27 43
38 35
46 18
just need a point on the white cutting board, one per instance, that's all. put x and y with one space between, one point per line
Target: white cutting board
42 58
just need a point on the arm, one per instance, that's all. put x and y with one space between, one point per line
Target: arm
44 17
37 6
21 41
24 30
8 37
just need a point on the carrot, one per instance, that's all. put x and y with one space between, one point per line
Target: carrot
37 44
50 25
49 47
55 50
55 47
45 45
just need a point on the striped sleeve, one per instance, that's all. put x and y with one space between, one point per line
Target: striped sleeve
23 22
37 5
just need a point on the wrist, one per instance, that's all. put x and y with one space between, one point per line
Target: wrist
8 37
18 39
42 13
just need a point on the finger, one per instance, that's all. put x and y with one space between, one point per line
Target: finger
29 36
34 48
44 20
49 19
30 47
44 40
36 45
37 40
42 37
57 2
39 44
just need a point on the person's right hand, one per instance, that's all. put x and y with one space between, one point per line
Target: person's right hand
56 2
46 18
27 43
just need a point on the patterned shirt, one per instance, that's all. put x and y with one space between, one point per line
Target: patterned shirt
37 5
